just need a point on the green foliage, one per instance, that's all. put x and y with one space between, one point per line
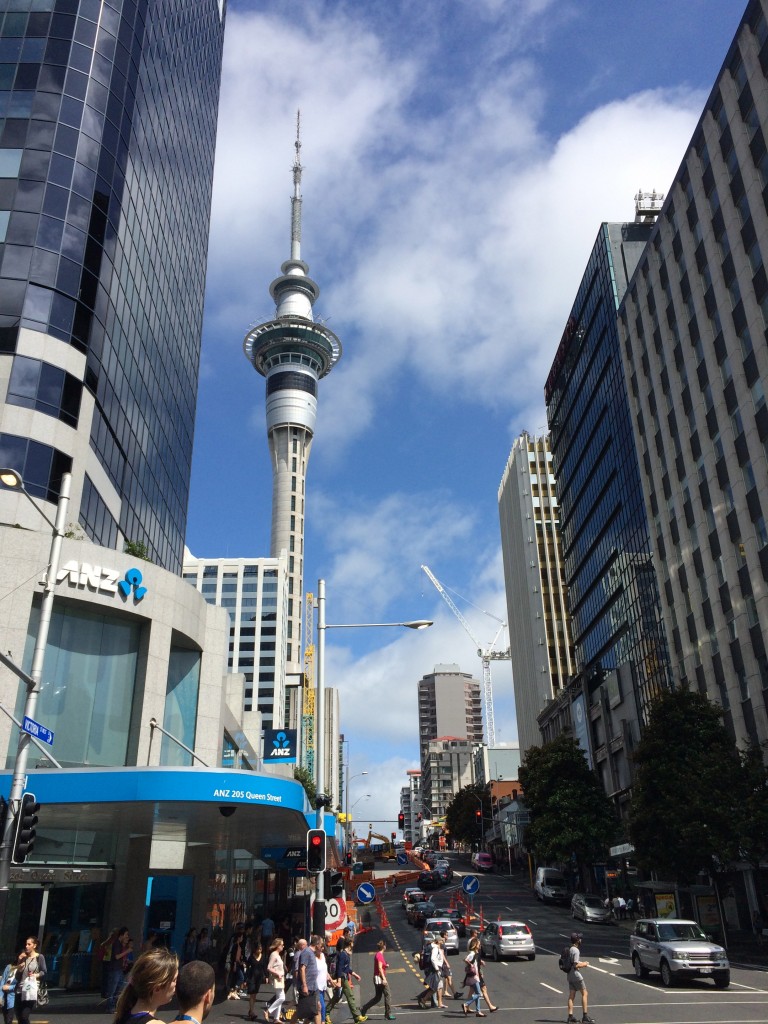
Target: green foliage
570 813
461 819
137 549
688 787
304 777
753 806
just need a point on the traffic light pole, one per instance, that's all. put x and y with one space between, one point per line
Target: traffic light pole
19 779
318 916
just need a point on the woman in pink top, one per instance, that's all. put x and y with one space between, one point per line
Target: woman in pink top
380 984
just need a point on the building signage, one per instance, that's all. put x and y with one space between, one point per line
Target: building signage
280 746
39 731
60 875
102 579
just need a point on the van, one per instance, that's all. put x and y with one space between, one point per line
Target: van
482 862
550 885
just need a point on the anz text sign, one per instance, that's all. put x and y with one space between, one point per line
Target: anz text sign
280 746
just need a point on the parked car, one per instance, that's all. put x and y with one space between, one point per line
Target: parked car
482 861
507 938
430 880
410 893
589 908
456 918
418 913
677 949
437 925
550 885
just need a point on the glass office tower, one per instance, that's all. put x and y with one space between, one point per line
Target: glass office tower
107 134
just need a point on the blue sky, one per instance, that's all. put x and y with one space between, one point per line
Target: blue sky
459 156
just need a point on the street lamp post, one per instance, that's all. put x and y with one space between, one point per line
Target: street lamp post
11 479
318 922
346 814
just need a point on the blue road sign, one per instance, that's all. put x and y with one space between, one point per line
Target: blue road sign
470 884
366 893
38 731
402 858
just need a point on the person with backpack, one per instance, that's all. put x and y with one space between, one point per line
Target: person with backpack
472 982
571 963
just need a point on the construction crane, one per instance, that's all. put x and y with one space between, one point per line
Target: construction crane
486 655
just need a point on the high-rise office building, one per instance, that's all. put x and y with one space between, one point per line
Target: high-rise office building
411 807
254 593
534 581
613 598
108 115
693 337
293 352
446 769
449 705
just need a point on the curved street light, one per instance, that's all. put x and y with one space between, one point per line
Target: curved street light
318 923
13 481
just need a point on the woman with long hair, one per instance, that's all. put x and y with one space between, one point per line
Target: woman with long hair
30 971
151 985
276 974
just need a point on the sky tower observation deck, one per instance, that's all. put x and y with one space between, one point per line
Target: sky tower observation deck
293 353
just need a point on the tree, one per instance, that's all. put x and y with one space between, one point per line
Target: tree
461 819
753 807
304 777
570 815
688 786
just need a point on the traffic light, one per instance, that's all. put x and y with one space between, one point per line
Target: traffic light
316 850
401 820
26 825
333 884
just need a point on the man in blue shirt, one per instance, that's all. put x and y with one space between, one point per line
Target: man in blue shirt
344 974
308 1004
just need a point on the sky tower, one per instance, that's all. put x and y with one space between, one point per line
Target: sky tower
293 353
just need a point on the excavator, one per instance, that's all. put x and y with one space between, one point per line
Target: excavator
375 847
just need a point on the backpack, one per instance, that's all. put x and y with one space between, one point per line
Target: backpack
565 960
330 961
425 959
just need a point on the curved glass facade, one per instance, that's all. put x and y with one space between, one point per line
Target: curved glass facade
107 134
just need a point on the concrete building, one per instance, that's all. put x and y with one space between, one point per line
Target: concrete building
493 766
411 807
446 768
162 789
449 705
693 341
534 581
618 633
103 248
255 593
293 352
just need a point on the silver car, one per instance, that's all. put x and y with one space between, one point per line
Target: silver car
589 908
436 925
507 938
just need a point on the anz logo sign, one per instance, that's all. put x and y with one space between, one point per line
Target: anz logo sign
105 581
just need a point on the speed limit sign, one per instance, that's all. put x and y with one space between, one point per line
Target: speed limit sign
335 913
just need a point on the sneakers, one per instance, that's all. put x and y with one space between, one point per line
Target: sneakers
361 1018
586 1019
571 1019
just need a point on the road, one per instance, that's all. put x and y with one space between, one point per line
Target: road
526 992
535 991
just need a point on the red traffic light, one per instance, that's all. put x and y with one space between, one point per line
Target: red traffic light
316 840
315 850
478 815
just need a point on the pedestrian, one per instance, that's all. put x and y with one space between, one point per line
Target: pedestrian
474 946
8 986
472 982
308 1003
234 962
189 949
267 931
622 908
433 980
576 981
254 976
322 978
204 946
292 975
344 975
119 951
380 983
630 908
276 976
151 985
445 970
195 991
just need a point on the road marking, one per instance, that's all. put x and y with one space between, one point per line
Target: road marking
607 960
551 987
